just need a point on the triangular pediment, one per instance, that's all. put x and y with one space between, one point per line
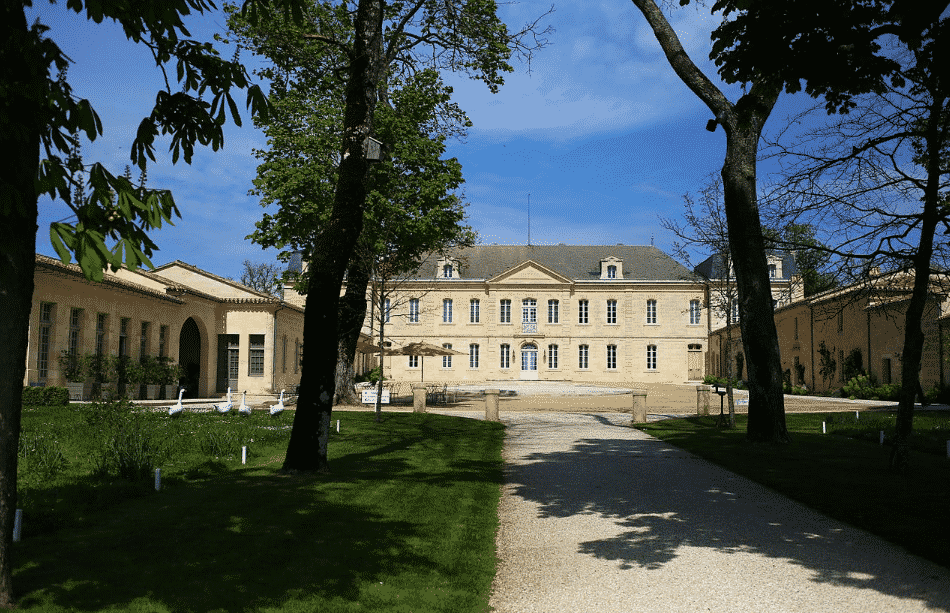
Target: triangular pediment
532 273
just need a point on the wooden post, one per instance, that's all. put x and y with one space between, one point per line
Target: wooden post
491 405
418 399
702 399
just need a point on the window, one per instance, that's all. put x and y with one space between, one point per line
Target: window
447 271
256 354
75 316
841 365
611 272
553 315
504 313
163 342
582 310
552 356
611 357
772 271
386 311
796 328
283 359
841 321
447 311
651 357
473 311
143 340
413 361
447 359
505 356
46 332
123 336
735 311
582 356
473 356
529 310
651 311
296 354
694 312
413 310
101 319
611 311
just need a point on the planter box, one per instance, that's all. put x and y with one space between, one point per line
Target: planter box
79 391
171 392
108 390
151 392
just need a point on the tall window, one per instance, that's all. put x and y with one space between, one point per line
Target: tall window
101 319
840 321
163 343
582 356
75 316
413 310
386 311
553 315
611 271
46 331
651 357
735 311
504 312
124 336
552 356
473 356
256 354
796 328
651 311
447 271
143 340
296 354
529 310
611 311
611 357
283 359
447 359
582 311
413 361
772 271
505 356
447 311
473 311
694 311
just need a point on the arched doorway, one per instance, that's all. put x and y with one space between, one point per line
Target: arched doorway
189 357
529 362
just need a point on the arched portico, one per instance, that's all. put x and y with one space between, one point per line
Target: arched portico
189 358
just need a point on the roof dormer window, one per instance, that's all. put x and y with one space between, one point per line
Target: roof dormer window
447 271
447 268
611 268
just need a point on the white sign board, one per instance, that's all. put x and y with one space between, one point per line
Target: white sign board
742 401
369 397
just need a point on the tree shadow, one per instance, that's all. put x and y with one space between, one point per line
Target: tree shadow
664 500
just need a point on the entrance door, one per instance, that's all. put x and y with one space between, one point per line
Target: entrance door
694 365
529 363
228 357
189 358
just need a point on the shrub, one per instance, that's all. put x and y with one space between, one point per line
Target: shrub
41 456
45 396
721 381
864 387
130 445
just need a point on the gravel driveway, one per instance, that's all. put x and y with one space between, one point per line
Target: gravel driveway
603 518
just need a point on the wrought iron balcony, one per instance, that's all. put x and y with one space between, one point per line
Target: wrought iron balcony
529 327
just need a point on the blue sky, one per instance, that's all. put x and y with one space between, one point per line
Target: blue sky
602 135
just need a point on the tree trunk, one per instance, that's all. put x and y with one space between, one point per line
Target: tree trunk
743 124
757 321
24 75
913 335
307 449
352 315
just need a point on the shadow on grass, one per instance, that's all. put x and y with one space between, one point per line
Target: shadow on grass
664 499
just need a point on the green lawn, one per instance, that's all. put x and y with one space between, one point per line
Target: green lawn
405 521
840 473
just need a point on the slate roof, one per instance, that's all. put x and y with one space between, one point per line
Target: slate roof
713 267
577 262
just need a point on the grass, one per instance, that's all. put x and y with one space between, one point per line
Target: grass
405 521
840 474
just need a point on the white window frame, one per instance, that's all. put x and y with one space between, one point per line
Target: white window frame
504 311
504 356
474 311
583 357
611 312
695 312
554 315
413 361
386 311
651 357
611 357
413 310
447 310
552 357
583 311
611 271
473 355
651 311
446 359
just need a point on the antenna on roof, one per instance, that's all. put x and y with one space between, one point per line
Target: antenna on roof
529 220
651 241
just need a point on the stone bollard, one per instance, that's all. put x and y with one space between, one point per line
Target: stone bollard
491 405
418 399
639 406
702 399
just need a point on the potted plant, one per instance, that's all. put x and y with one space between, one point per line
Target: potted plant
134 376
171 375
153 376
74 368
105 374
